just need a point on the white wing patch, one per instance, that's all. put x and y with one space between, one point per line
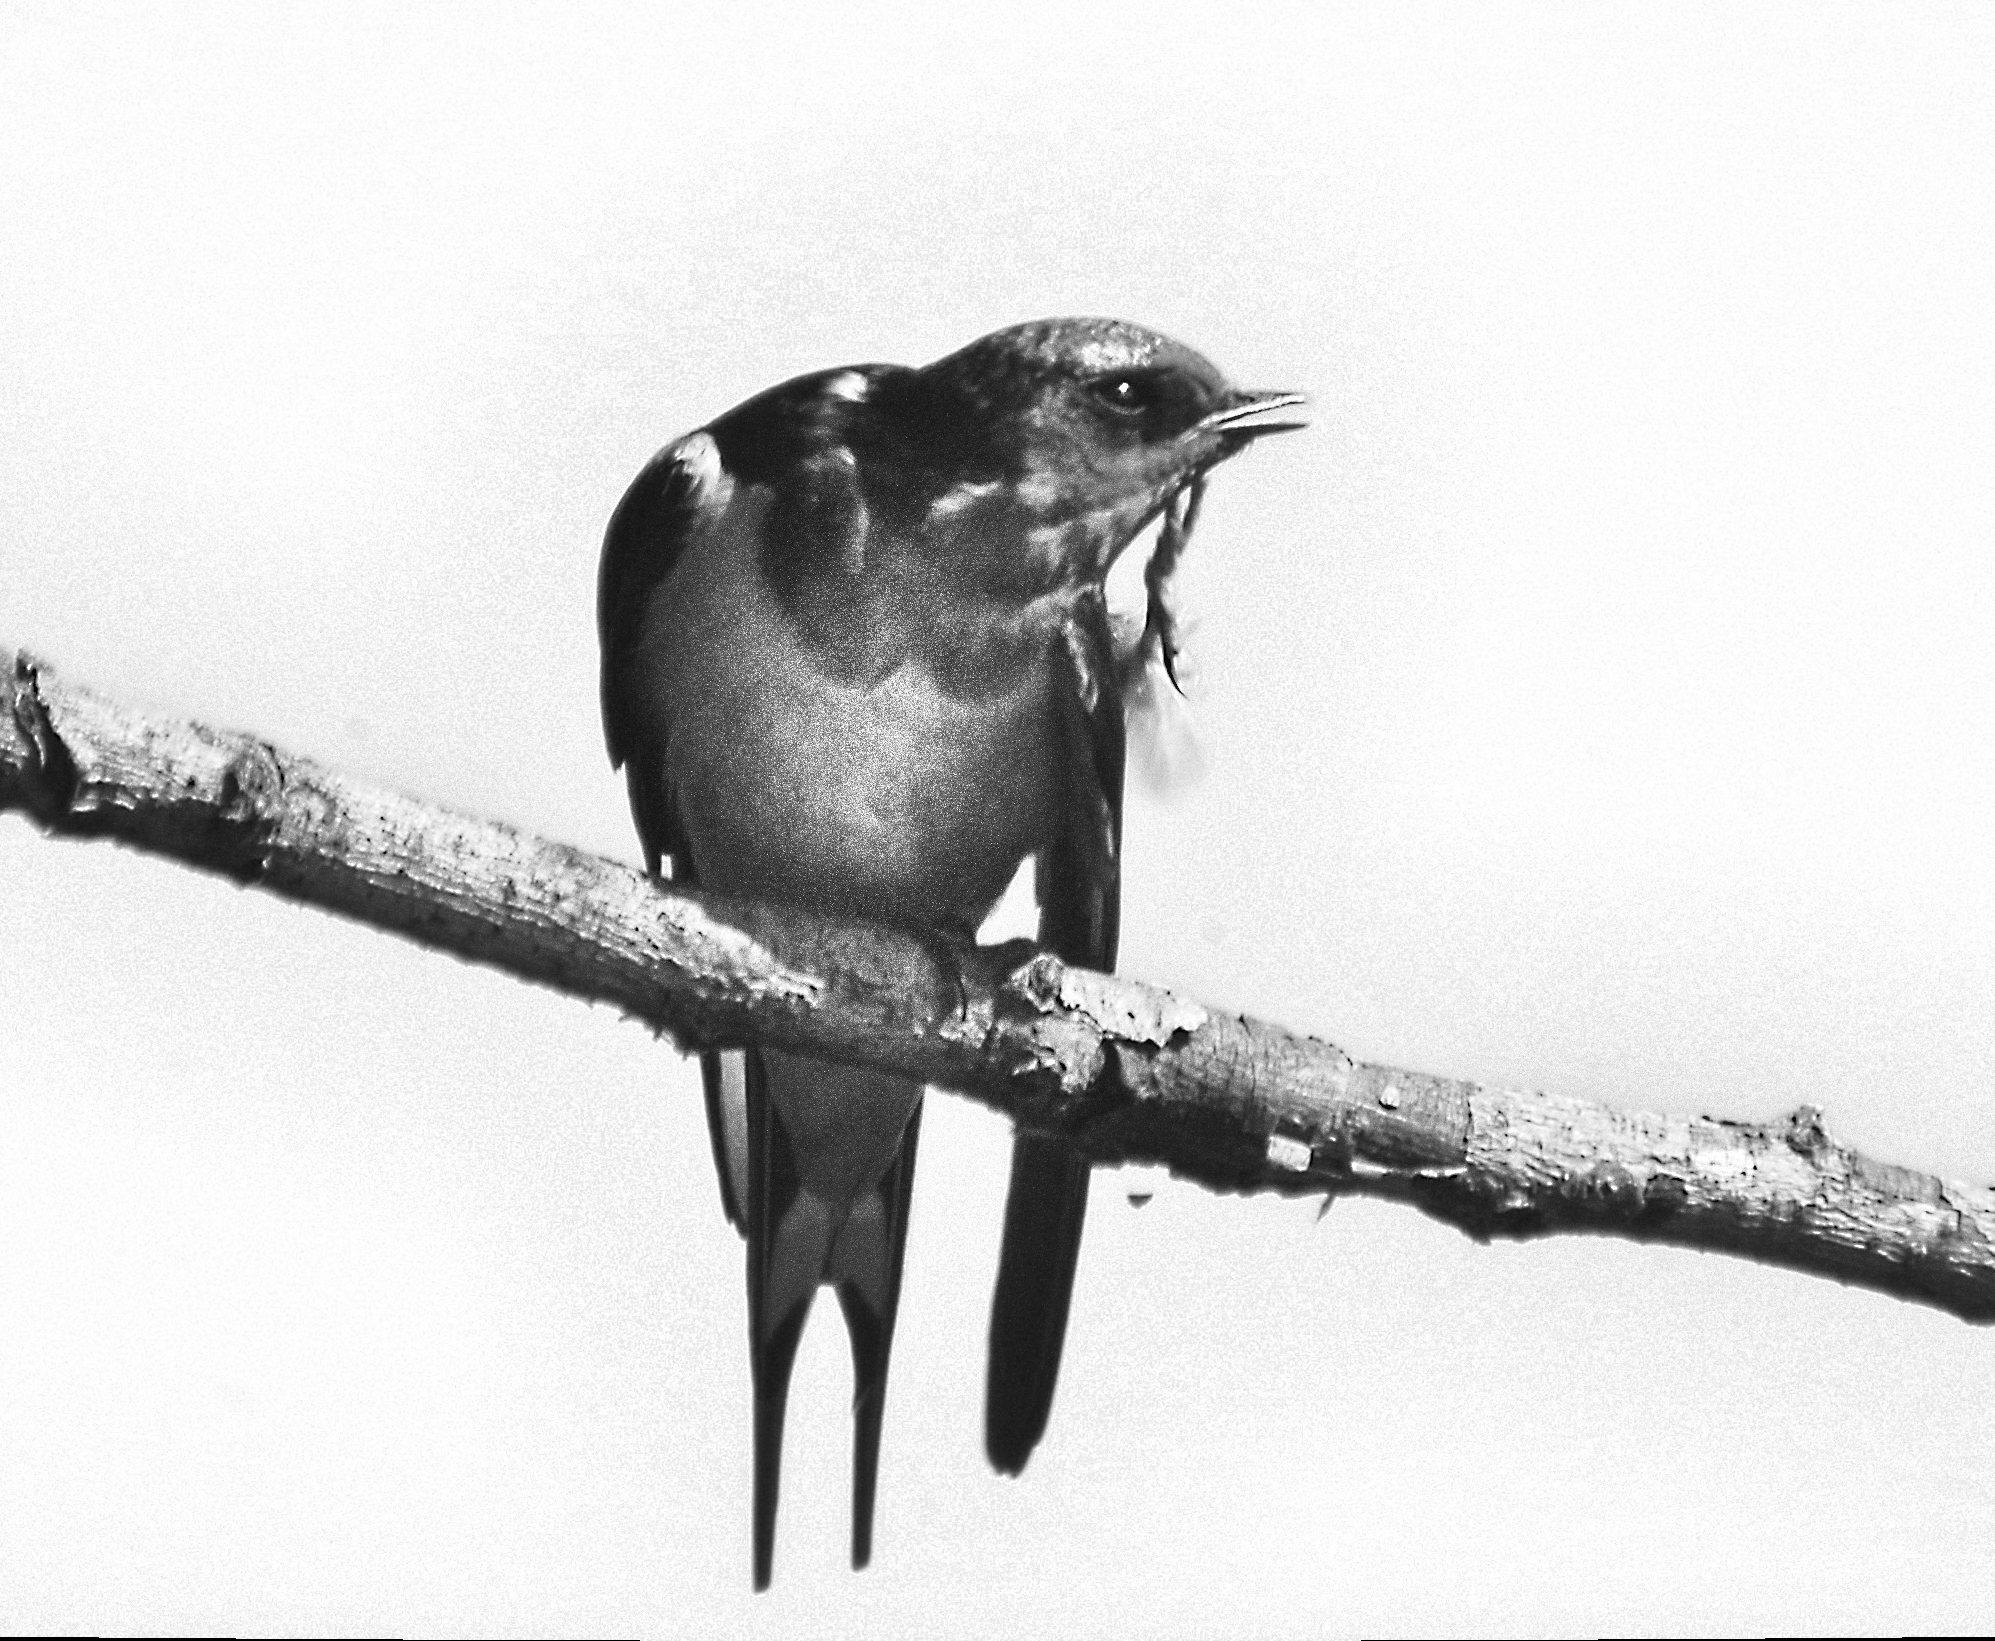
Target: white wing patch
852 551
955 500
849 385
698 457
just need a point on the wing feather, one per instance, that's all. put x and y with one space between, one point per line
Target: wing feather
1079 879
648 537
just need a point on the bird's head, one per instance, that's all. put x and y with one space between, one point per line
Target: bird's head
1090 427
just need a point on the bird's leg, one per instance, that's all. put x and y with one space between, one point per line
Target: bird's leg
945 950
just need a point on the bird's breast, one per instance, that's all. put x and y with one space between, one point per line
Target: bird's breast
881 792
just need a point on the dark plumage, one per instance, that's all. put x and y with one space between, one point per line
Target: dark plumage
856 657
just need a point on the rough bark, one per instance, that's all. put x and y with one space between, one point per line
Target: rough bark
1130 1072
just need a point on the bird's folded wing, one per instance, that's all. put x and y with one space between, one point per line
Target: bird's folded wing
1080 896
681 489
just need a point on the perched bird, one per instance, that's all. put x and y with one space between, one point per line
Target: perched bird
857 657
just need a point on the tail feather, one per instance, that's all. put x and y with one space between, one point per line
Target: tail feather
722 1077
772 1339
1043 1217
772 1360
871 1325
804 1228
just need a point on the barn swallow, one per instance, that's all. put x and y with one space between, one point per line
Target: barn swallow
856 657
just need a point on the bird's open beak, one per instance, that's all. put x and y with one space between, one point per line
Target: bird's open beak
1246 416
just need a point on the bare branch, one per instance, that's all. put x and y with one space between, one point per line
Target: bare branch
1130 1072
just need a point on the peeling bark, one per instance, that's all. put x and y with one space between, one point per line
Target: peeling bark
1130 1072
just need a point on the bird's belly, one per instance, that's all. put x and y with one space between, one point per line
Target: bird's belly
895 802
891 799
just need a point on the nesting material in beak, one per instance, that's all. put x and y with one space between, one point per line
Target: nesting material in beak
1160 620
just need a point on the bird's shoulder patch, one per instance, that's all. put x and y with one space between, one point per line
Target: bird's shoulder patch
764 440
817 537
696 459
817 449
853 386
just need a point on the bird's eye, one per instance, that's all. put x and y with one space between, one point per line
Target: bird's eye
1130 395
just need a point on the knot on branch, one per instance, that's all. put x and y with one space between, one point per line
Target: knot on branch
45 780
1121 1011
1095 1037
247 810
251 779
1607 1190
1806 1134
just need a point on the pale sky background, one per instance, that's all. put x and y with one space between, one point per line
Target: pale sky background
1601 698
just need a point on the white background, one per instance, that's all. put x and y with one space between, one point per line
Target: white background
1601 698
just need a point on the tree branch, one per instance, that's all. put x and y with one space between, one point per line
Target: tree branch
1129 1072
